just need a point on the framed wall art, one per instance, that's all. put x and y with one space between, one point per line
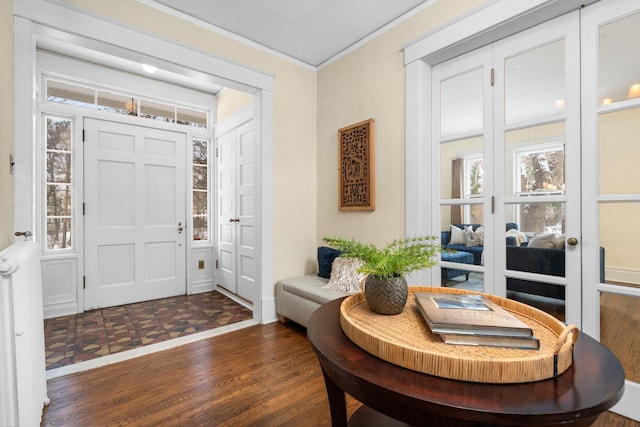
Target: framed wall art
357 167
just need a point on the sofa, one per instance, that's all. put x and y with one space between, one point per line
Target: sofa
475 250
542 254
298 297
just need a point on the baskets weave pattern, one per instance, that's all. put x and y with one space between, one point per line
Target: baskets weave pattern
405 340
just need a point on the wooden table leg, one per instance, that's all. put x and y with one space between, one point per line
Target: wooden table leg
337 402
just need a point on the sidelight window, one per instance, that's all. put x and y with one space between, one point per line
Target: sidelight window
200 189
58 183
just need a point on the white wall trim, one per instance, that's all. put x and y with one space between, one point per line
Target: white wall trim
497 20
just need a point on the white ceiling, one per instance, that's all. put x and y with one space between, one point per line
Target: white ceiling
310 31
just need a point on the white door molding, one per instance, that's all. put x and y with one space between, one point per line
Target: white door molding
36 23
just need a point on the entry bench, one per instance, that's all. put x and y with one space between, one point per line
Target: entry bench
298 297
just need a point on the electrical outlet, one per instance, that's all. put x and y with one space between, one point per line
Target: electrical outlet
201 264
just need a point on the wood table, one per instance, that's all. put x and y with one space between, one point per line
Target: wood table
393 395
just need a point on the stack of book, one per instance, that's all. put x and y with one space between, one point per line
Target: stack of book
473 320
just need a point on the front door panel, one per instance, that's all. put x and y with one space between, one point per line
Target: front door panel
134 213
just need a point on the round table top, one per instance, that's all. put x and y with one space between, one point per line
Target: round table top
593 384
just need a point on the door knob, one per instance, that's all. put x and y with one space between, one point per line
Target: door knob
572 241
180 228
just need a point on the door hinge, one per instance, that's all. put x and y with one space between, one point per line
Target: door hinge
84 282
83 209
82 135
493 76
216 264
216 152
493 205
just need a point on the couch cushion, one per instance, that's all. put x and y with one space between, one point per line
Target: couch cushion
457 236
311 288
547 241
326 255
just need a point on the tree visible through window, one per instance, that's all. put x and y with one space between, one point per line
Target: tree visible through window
59 191
541 173
200 189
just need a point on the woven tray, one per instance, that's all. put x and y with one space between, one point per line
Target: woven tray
406 340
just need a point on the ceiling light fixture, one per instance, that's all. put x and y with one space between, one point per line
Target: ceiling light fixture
149 68
634 90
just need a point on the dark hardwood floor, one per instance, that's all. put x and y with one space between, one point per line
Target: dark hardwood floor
259 376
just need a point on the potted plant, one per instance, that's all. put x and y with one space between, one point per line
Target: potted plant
385 287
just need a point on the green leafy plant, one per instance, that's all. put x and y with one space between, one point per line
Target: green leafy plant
400 257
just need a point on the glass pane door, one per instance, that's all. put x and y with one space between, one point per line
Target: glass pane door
460 128
537 126
611 106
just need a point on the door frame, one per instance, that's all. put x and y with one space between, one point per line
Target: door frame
35 25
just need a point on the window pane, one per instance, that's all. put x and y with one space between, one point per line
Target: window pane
461 104
58 200
200 228
535 83
58 167
535 161
619 324
200 177
157 111
58 134
620 252
116 103
619 151
67 93
200 152
619 67
200 206
193 118
461 169
58 233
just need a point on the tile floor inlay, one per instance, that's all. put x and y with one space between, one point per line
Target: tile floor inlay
89 335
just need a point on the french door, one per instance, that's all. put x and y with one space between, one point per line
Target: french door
611 121
134 213
506 156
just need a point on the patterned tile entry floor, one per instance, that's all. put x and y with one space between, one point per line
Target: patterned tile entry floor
89 335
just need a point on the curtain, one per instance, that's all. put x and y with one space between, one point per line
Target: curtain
457 174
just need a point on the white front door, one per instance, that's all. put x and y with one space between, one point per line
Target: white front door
134 213
236 208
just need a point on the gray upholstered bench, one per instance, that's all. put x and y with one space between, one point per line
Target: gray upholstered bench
298 297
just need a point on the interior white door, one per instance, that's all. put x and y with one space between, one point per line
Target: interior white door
134 213
227 211
236 209
611 124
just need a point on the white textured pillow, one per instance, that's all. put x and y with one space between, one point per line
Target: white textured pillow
474 238
547 241
344 276
457 236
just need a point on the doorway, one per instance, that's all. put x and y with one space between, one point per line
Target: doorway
134 213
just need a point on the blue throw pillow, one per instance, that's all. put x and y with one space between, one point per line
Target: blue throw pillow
326 255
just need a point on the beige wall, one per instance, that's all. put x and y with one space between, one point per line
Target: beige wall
231 101
369 83
6 123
